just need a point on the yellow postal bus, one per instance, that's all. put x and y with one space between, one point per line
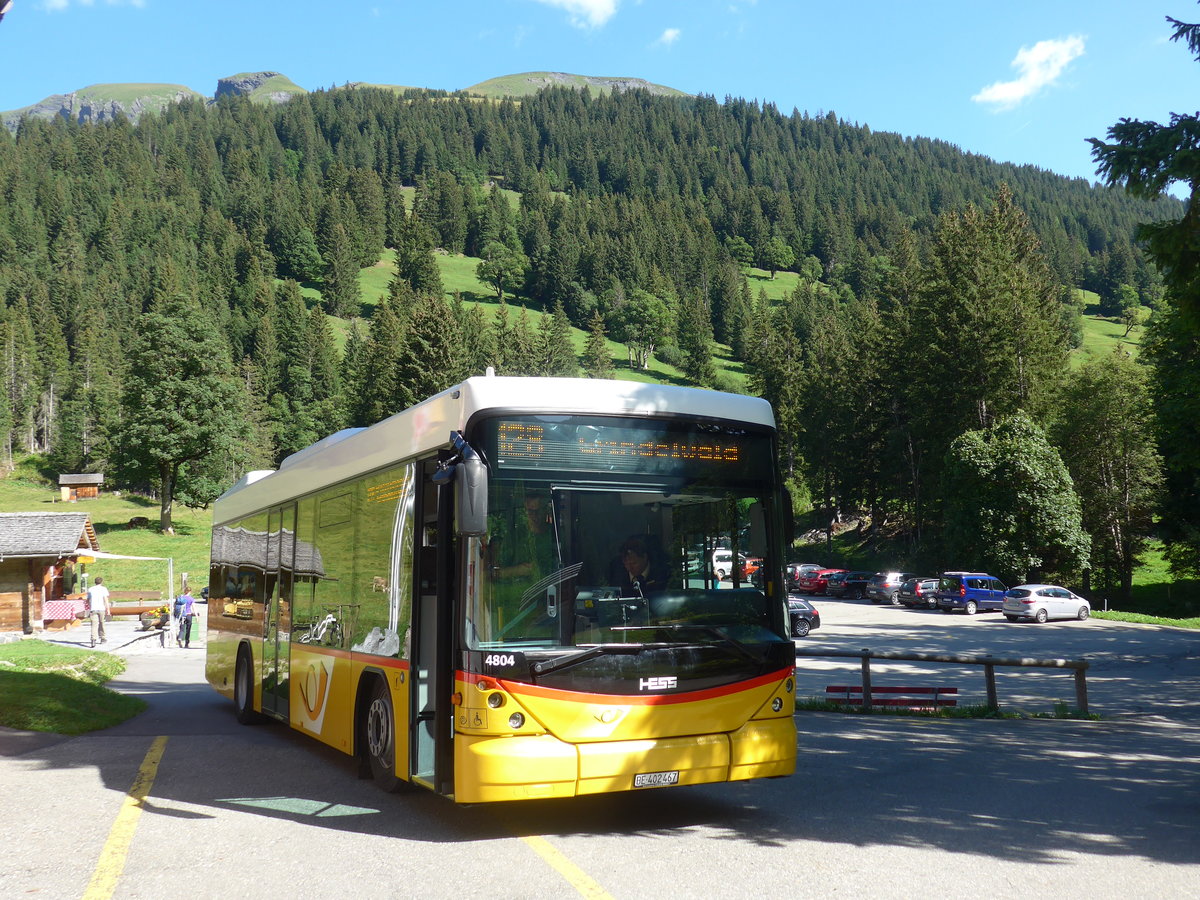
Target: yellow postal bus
507 592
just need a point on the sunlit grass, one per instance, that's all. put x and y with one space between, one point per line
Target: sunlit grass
1140 619
60 689
28 490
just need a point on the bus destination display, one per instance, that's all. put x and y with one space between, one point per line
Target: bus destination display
609 448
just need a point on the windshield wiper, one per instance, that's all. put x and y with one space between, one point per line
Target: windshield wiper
740 648
545 667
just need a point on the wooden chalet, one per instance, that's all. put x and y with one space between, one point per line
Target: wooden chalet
39 574
80 487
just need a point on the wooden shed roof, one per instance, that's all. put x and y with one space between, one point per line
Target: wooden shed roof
86 478
46 534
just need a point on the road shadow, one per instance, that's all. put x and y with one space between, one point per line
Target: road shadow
1028 790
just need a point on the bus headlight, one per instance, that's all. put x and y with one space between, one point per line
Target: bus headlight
516 720
495 701
777 704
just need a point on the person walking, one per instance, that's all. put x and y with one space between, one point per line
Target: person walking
187 611
97 604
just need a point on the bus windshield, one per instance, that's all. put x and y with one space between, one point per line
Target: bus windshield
608 530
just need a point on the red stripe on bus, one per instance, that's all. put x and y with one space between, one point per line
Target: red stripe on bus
366 658
534 690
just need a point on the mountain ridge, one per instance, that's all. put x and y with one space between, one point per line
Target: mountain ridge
102 102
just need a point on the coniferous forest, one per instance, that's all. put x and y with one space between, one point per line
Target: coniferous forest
160 323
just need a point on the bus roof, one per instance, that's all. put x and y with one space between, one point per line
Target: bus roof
356 451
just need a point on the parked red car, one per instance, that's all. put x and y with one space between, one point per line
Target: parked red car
750 565
815 582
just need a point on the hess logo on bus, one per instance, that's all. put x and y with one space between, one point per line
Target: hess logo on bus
658 683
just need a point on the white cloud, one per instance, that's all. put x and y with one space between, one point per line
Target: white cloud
63 5
668 37
1038 66
586 13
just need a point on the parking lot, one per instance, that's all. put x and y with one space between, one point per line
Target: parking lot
1133 669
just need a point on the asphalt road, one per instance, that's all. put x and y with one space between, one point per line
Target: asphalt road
880 806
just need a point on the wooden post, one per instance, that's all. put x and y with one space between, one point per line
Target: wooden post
1081 701
866 678
989 674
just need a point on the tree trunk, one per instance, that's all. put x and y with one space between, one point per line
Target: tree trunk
166 475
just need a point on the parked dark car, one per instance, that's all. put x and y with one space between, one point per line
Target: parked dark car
970 592
885 586
802 616
816 582
833 584
918 592
852 584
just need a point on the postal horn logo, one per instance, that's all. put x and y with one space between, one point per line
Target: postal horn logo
314 693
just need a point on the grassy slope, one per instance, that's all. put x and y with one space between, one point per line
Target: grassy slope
28 490
60 689
458 276
273 85
127 93
1102 335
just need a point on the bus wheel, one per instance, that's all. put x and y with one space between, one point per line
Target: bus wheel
379 730
243 688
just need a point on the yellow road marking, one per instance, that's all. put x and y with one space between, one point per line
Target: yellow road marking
574 875
112 858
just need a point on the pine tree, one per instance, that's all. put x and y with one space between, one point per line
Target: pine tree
478 340
340 291
432 354
557 355
415 262
502 338
379 392
19 356
90 411
352 374
695 340
597 361
521 351
989 304
324 377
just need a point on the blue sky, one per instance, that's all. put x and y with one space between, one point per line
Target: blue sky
1024 81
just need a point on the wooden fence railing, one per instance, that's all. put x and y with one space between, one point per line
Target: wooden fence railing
989 664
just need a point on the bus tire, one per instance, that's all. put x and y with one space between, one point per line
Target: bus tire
243 688
379 738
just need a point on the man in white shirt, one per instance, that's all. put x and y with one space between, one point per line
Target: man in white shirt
97 602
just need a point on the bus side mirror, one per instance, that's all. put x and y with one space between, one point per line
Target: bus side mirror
467 469
471 512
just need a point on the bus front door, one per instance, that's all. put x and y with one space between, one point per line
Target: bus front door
432 662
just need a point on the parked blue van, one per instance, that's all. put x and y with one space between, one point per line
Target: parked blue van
970 592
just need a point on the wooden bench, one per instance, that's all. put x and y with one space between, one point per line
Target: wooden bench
143 602
889 695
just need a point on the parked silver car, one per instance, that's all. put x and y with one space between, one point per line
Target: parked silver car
1044 601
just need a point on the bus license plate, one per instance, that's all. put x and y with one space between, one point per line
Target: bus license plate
655 779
